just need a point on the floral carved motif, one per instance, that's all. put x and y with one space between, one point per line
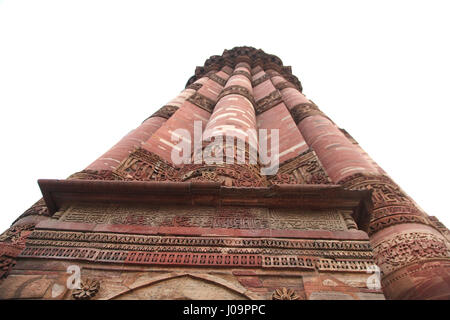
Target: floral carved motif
285 294
88 289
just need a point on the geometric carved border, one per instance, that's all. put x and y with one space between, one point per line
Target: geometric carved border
197 259
303 169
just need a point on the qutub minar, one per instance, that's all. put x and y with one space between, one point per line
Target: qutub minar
136 225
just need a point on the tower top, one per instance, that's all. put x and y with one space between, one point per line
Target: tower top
254 57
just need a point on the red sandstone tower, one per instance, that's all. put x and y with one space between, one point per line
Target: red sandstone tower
139 225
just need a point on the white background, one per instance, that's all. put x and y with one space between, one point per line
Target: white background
75 76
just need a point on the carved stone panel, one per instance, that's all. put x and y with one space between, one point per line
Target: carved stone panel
143 165
303 169
406 248
207 217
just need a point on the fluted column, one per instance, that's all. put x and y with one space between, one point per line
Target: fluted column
231 134
197 107
114 156
412 254
103 167
273 114
234 114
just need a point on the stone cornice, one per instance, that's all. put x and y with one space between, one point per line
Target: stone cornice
57 193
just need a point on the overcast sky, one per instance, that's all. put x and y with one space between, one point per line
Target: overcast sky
76 76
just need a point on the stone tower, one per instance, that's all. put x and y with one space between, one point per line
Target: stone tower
238 188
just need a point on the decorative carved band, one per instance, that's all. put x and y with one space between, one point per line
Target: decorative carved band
203 102
283 85
228 174
206 217
94 175
12 242
268 102
142 165
16 235
260 80
331 254
227 69
195 86
148 242
272 73
6 264
165 112
237 90
197 259
216 78
243 62
440 226
406 248
303 169
388 221
303 110
391 205
244 73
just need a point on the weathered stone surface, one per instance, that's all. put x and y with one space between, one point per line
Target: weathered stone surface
136 224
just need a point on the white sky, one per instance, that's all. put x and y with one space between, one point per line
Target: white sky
76 76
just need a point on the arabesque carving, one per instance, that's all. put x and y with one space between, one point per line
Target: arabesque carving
268 102
202 102
409 247
303 110
142 165
235 89
303 169
260 80
390 204
165 112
